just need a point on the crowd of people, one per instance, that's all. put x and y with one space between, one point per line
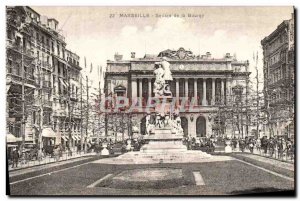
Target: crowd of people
203 144
23 156
277 147
17 156
114 147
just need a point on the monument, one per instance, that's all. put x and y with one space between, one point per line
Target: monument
164 133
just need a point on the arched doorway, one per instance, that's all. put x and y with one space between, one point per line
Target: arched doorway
201 127
185 126
143 125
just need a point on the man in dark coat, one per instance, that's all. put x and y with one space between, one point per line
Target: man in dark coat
15 157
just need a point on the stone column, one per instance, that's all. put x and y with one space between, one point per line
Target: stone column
222 92
133 89
195 91
204 92
186 84
149 88
228 86
177 90
213 96
140 92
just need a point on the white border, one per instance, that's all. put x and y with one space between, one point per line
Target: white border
3 3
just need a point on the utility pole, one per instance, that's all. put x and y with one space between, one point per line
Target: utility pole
99 101
257 97
23 97
41 110
247 101
87 113
69 109
81 114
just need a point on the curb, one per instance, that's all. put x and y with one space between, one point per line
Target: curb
58 163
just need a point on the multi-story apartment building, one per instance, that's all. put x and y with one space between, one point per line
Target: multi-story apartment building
279 83
39 72
214 83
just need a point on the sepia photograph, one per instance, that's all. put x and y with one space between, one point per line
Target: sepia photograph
150 100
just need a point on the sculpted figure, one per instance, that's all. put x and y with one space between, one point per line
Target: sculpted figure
159 80
149 125
167 72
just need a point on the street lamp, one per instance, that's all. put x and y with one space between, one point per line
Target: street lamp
238 90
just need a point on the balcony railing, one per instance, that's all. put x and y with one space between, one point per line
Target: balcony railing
15 74
26 51
47 103
46 65
46 84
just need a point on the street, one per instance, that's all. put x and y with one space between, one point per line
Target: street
217 178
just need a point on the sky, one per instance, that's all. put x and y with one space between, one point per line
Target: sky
97 33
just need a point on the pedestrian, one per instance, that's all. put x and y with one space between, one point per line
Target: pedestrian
56 153
264 144
271 147
78 148
280 149
258 145
242 145
234 143
251 146
15 157
69 151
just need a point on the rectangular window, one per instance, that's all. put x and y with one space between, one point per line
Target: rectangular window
52 44
58 50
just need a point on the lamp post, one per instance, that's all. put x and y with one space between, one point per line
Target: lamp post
238 90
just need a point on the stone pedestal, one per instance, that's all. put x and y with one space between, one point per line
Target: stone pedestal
228 148
128 146
163 140
104 151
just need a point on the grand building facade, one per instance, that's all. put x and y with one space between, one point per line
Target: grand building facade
42 80
279 79
214 84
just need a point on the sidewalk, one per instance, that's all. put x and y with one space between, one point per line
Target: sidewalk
256 152
47 160
271 161
36 168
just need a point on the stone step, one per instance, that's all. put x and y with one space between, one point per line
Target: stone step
163 137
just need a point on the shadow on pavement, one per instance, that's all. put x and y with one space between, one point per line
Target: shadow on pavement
270 191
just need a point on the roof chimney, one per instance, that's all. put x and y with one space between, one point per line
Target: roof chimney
132 55
227 55
118 57
208 55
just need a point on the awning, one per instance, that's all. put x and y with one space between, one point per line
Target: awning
7 87
48 132
64 138
10 138
12 145
72 81
62 82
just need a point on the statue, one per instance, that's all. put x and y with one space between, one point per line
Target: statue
163 76
159 80
164 116
178 125
167 72
149 125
